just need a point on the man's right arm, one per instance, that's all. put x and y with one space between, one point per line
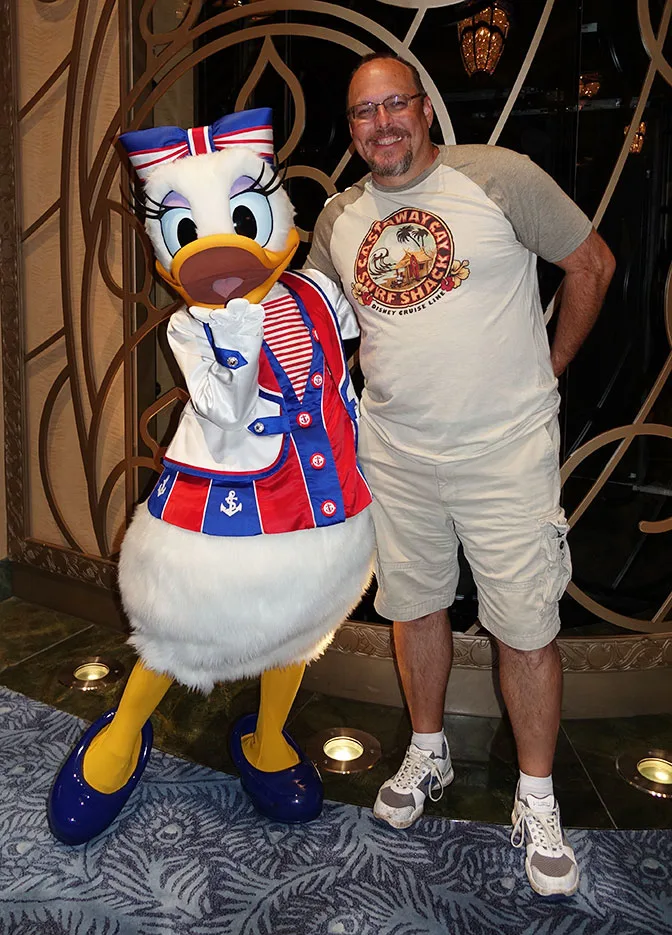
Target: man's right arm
319 259
320 254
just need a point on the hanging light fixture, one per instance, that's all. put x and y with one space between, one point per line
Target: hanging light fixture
638 138
589 84
482 38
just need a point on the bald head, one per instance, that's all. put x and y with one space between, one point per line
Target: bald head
390 57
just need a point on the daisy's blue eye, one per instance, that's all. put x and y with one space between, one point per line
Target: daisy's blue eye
178 229
177 223
252 216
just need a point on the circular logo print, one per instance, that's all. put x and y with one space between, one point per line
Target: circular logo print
405 259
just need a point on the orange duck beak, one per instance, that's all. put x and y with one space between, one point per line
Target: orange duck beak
212 270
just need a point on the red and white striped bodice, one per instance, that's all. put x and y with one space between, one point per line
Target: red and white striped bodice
289 340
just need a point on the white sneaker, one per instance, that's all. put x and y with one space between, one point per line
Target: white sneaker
401 800
550 863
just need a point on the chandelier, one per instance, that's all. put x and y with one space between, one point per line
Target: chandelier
482 38
638 138
589 85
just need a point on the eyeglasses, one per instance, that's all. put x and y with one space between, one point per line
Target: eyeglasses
394 104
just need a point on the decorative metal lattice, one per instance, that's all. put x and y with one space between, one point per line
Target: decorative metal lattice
110 252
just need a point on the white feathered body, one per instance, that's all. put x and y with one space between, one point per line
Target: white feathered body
209 608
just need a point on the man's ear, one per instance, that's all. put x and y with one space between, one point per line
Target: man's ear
428 111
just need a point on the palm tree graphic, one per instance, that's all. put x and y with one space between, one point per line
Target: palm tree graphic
408 232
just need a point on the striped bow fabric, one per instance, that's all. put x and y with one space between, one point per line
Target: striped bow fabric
251 129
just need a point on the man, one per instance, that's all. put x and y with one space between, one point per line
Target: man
436 250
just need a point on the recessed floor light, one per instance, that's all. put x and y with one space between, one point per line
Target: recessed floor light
343 750
91 674
648 770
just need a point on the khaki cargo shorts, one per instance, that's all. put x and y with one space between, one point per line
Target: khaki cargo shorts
502 506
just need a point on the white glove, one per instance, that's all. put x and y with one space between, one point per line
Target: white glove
239 317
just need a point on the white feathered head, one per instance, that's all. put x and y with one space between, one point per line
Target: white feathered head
221 224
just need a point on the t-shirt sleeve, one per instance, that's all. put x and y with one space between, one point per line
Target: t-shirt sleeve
320 251
545 219
319 256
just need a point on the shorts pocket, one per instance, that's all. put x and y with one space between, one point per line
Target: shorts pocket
408 584
558 558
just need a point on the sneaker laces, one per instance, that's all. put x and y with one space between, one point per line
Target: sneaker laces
412 771
544 828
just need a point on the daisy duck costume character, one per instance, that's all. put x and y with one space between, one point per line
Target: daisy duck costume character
256 542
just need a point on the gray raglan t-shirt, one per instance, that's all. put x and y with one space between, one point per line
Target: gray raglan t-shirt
442 277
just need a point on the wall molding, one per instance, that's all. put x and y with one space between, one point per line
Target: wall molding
10 291
578 654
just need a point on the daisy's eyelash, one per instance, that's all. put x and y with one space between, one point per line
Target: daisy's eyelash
274 183
154 209
146 207
143 205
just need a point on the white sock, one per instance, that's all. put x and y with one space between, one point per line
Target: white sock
431 742
538 786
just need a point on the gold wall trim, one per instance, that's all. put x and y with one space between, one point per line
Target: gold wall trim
61 561
10 296
21 548
600 654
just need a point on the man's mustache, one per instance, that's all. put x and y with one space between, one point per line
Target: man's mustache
388 131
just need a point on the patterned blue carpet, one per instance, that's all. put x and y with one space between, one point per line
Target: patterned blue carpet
190 857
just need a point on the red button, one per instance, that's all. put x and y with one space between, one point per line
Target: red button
328 507
317 379
315 335
304 419
318 461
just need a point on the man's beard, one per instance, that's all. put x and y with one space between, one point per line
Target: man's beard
387 169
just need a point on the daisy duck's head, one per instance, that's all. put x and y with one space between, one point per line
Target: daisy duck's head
221 225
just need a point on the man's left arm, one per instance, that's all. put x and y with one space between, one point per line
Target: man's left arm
546 221
588 272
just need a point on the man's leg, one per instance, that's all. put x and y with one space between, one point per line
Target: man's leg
424 651
417 572
506 510
531 684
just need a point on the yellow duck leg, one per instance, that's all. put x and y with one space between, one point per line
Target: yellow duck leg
266 749
113 754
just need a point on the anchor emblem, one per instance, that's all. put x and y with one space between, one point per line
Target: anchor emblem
231 508
162 486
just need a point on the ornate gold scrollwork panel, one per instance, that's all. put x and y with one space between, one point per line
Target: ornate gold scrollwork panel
73 353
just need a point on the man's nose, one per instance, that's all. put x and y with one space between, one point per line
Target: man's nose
382 118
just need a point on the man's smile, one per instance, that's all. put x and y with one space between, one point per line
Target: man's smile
388 136
387 140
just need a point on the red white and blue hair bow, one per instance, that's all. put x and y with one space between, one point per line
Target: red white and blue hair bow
251 129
